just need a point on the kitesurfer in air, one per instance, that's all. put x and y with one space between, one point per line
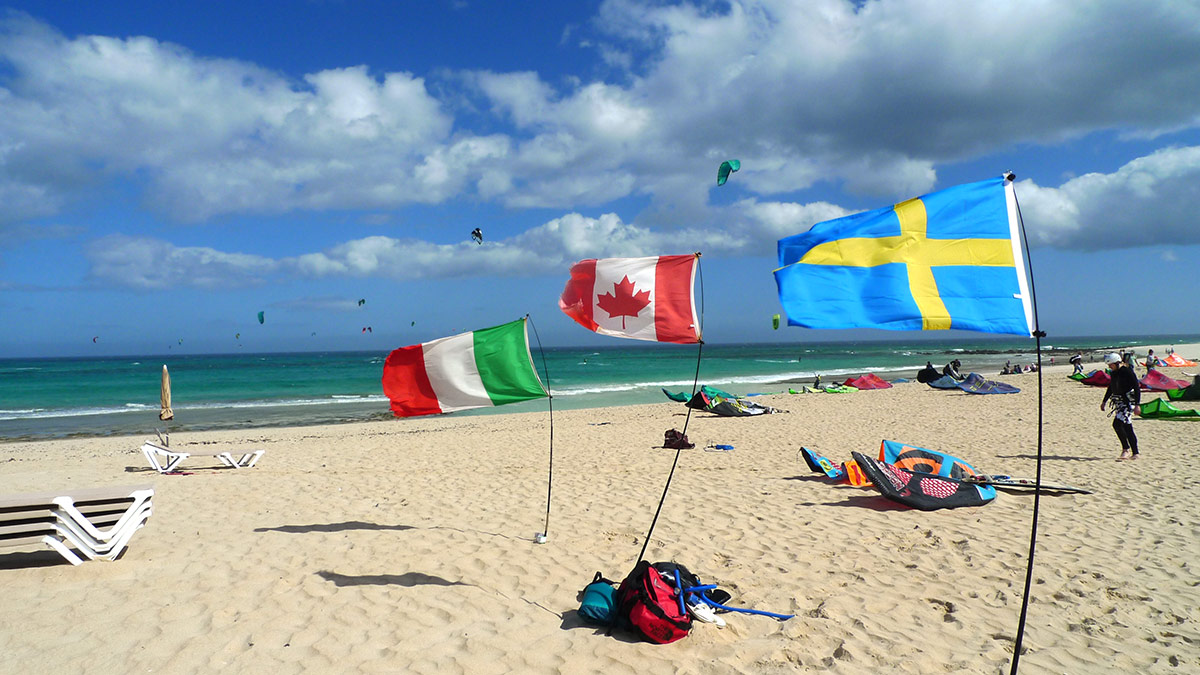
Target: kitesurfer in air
1125 394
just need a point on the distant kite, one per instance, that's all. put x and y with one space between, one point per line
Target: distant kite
314 333
180 340
237 336
95 338
261 318
367 329
775 322
727 168
362 301
412 324
477 235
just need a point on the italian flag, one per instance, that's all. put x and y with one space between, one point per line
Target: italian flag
480 369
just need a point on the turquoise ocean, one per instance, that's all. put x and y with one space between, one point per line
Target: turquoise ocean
63 397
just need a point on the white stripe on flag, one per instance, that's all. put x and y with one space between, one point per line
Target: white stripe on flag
450 366
641 273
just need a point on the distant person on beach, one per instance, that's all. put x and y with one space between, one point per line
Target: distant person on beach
1007 368
1125 394
951 369
1151 360
1077 361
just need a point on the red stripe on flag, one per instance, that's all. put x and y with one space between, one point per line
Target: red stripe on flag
673 315
576 300
406 384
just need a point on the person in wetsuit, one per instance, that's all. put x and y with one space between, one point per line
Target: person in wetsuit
1125 394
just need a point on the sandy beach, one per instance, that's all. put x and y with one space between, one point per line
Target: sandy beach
407 546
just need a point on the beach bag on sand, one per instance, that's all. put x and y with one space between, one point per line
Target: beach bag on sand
673 439
599 604
651 606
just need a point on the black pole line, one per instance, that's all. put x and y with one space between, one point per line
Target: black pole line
686 420
550 400
1038 334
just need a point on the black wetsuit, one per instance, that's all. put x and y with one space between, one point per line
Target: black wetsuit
1124 393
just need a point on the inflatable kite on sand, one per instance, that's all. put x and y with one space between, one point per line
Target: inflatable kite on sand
868 381
1160 409
1191 393
1156 381
1176 361
977 384
921 490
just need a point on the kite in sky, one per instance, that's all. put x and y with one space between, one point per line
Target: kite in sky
261 317
727 167
477 235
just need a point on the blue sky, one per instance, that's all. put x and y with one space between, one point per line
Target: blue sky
168 170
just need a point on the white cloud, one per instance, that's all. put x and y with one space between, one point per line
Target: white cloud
1150 201
150 264
214 136
872 97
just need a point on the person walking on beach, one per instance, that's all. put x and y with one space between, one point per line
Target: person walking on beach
1125 394
1077 361
1151 361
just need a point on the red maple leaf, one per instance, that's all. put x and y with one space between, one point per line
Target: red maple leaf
625 302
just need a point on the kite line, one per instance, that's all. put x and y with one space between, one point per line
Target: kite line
550 400
683 434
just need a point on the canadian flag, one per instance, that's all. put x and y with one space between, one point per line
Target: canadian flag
638 298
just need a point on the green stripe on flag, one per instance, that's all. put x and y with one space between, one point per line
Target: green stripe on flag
505 366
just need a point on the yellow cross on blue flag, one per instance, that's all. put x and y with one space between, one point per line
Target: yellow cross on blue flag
948 259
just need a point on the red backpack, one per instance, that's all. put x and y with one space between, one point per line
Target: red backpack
651 605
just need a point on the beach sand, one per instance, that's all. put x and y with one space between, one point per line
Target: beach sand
406 546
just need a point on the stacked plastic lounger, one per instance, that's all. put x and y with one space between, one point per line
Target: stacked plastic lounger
165 460
97 523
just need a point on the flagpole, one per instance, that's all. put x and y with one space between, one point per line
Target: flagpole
1038 334
550 400
686 420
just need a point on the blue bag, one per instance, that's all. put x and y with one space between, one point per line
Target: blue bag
599 604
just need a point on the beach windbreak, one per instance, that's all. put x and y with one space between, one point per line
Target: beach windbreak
480 369
638 298
948 259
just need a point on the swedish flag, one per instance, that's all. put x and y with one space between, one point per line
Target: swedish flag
948 259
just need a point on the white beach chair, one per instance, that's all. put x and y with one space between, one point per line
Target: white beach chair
165 460
97 523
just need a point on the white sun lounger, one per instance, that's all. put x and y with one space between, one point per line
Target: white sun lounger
98 522
165 460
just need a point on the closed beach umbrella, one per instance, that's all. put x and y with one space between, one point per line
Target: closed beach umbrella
165 397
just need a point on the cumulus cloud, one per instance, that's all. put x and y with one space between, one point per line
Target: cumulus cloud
150 264
214 136
868 97
1149 201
